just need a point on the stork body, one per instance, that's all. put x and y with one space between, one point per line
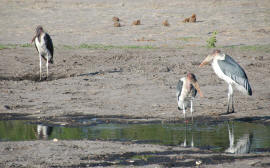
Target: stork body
44 46
187 88
230 71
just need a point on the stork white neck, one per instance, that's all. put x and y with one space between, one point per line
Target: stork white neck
220 57
187 83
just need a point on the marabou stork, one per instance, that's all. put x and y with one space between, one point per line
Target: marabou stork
187 88
227 69
44 46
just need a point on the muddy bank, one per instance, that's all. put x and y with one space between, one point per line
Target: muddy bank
126 82
115 154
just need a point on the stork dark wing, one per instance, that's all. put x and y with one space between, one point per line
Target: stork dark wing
233 70
193 91
179 89
49 45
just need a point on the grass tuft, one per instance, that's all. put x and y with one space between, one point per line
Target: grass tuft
107 47
95 46
187 39
2 47
68 47
142 157
211 42
7 46
263 48
26 45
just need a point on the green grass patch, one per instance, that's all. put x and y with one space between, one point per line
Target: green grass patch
180 47
2 47
263 48
187 39
68 47
85 46
140 47
26 45
141 157
96 46
106 47
7 46
11 46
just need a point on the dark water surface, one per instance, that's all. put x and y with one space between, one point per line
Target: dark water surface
232 137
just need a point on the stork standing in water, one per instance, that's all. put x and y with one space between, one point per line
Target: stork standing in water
44 46
187 88
227 69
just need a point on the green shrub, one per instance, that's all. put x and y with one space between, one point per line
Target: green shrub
211 42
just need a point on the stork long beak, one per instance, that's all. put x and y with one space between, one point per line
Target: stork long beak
196 85
208 59
33 39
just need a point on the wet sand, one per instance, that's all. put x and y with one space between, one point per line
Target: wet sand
120 81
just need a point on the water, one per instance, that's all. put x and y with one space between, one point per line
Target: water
232 137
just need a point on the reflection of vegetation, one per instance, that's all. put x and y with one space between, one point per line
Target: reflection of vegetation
66 133
214 136
16 131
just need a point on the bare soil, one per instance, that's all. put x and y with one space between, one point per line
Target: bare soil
128 82
132 82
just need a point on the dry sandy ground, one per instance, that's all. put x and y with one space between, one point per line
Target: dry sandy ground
130 82
134 82
82 21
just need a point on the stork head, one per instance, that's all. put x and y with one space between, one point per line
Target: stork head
210 57
39 30
192 78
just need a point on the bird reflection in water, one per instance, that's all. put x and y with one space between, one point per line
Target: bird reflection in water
185 143
243 144
43 132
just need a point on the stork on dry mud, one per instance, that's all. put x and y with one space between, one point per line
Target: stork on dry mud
227 69
187 88
44 46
